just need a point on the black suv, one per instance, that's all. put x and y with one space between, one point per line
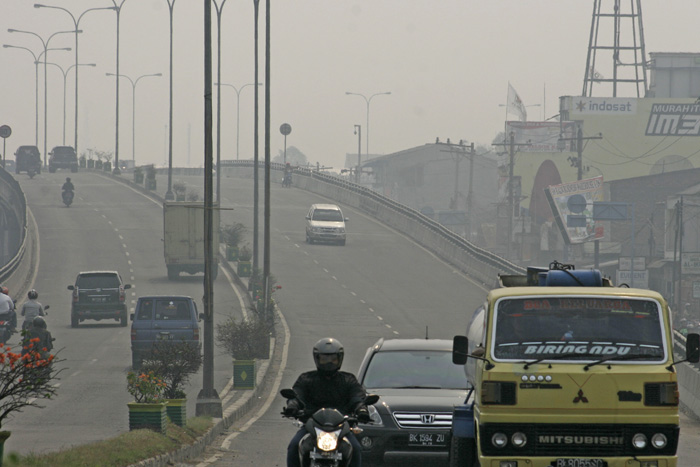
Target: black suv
98 295
27 157
418 386
63 157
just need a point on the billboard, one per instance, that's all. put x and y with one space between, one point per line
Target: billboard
572 206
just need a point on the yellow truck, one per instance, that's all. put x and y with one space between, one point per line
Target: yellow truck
567 370
183 238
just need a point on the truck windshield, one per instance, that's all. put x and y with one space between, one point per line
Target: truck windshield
578 328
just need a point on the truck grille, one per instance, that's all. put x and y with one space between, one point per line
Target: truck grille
437 420
569 440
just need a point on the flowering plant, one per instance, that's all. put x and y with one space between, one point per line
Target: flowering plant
25 377
146 388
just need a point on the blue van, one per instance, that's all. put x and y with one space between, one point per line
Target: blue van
162 318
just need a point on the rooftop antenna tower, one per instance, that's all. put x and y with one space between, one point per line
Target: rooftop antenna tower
616 55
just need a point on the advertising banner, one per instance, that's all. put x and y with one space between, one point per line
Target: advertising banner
572 206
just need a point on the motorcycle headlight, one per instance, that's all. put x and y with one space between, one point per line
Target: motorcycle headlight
327 441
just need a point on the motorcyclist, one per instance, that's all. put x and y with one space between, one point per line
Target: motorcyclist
31 308
327 387
7 307
38 330
68 186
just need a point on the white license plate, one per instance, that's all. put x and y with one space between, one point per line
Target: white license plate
426 439
99 299
165 337
581 463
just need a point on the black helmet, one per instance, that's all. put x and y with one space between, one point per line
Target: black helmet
328 347
33 294
39 322
67 179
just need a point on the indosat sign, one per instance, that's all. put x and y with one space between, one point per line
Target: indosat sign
602 106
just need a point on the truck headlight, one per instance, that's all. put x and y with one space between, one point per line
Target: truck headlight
659 440
518 439
639 441
499 440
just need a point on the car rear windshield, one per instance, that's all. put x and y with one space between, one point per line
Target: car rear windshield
28 151
329 215
97 281
168 309
414 369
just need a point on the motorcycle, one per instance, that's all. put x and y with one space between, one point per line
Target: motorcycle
31 171
6 328
325 445
287 180
67 197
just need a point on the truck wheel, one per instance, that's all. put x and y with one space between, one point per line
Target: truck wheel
74 169
52 170
463 452
74 321
173 274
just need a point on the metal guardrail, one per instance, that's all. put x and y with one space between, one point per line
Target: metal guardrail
491 259
12 196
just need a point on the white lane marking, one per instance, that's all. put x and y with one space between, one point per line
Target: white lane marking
121 237
325 270
334 278
387 326
124 245
353 294
396 332
380 318
362 301
76 373
371 309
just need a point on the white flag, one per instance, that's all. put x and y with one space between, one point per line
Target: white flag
515 104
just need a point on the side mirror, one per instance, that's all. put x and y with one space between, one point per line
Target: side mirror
347 219
460 350
46 307
288 393
71 287
371 399
127 286
132 316
308 218
692 347
200 316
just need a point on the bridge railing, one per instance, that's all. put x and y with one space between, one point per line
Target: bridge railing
13 225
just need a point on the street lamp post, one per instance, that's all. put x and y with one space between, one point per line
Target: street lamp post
238 109
133 82
219 11
358 132
368 102
118 9
169 196
36 85
45 44
65 74
76 23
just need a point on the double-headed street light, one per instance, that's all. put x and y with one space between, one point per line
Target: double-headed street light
367 100
76 23
36 84
65 74
45 44
134 82
238 108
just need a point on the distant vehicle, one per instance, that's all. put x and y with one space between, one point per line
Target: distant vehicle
67 197
419 387
162 318
63 157
98 295
183 238
28 159
325 223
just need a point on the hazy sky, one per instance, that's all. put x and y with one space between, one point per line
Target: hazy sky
447 64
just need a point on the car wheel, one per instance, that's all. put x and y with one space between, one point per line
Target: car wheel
463 452
123 320
341 243
73 169
74 321
52 170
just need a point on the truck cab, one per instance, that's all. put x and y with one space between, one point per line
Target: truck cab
568 370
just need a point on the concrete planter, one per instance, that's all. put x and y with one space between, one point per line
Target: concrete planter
150 416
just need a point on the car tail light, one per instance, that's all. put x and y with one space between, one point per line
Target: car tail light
498 392
657 394
133 334
121 293
75 295
196 333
